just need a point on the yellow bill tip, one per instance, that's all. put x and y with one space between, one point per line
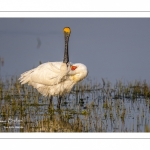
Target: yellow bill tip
67 30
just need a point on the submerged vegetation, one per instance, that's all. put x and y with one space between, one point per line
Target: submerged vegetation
90 107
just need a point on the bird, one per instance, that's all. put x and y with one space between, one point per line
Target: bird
56 78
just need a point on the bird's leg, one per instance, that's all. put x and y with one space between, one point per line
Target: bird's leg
50 101
59 101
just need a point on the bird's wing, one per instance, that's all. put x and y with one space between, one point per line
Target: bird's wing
58 89
49 74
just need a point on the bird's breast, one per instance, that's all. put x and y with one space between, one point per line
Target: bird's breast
75 78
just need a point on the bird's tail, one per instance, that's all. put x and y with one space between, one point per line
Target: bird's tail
26 77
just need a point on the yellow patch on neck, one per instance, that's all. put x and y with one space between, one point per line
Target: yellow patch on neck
75 78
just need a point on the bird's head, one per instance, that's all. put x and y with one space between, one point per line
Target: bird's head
78 72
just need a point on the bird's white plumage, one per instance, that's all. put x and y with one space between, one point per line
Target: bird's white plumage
54 78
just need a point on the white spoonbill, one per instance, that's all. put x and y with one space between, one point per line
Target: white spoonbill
56 78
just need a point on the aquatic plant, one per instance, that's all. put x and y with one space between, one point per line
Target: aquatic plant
90 107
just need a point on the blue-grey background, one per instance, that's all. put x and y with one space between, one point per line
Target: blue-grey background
111 48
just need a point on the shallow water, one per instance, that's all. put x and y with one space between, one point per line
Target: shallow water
88 108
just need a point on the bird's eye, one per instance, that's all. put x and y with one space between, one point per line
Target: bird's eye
73 67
